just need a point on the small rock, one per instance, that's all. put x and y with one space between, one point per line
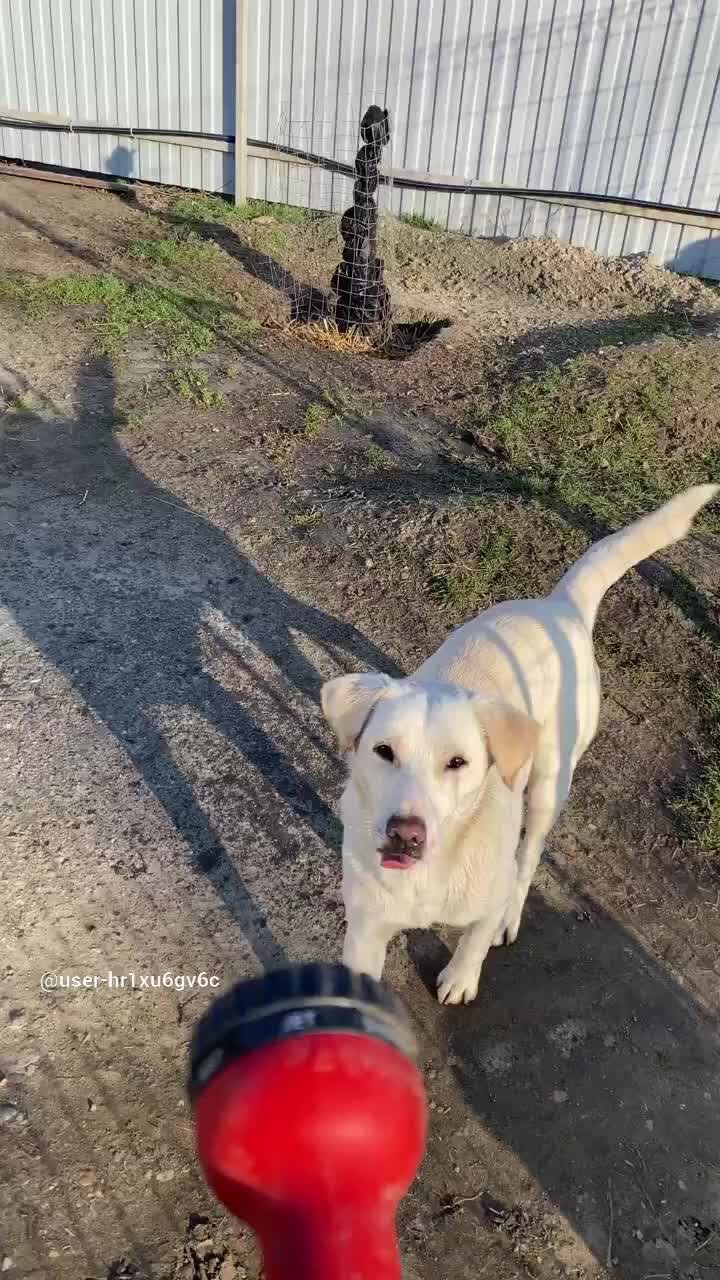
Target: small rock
86 1177
25 1064
165 1175
264 220
559 1095
6 1263
369 564
9 1113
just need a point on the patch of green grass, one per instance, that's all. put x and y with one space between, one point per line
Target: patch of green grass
379 459
209 208
422 223
317 417
21 404
289 213
607 438
468 589
243 328
272 240
344 403
184 324
308 518
177 253
699 812
129 420
193 385
64 290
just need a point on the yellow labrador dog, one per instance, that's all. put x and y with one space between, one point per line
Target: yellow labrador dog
439 762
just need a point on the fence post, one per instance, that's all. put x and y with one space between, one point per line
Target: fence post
241 62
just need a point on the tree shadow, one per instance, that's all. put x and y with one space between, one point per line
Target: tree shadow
61 242
592 1064
453 478
307 304
112 578
545 347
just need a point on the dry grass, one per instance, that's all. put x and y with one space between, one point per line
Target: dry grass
325 334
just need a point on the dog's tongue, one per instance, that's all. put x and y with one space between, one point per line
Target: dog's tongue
397 861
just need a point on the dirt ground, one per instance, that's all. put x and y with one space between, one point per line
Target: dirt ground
190 542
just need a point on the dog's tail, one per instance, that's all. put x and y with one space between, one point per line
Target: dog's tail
595 572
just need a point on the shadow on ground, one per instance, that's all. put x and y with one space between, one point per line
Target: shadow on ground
582 1056
591 1063
306 303
544 347
110 576
490 478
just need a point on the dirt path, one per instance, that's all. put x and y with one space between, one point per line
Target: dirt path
177 580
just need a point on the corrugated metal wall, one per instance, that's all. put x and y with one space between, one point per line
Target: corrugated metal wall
167 64
612 96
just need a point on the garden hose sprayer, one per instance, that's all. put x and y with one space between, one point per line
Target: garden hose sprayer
311 1118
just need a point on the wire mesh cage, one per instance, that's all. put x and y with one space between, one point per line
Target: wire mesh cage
325 234
321 232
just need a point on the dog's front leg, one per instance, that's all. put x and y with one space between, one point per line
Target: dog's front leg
366 943
459 981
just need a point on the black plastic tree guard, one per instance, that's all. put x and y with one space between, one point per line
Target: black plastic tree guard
363 300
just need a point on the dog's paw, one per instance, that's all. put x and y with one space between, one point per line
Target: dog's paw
499 937
457 986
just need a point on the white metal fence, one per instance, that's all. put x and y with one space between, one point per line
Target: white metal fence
608 96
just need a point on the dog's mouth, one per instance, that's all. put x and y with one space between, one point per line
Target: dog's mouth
394 858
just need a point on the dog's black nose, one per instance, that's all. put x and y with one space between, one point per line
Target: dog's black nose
409 834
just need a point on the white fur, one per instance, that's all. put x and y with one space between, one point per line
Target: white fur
533 656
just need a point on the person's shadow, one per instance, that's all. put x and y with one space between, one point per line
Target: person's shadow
113 579
586 1059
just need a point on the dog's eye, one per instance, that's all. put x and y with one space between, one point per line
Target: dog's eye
457 762
384 752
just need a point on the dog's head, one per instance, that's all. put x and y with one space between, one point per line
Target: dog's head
419 755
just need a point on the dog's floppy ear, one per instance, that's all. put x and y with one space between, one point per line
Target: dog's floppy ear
347 702
512 736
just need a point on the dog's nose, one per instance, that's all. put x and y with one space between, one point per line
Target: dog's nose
409 833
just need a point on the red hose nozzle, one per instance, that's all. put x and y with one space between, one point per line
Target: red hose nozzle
311 1118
